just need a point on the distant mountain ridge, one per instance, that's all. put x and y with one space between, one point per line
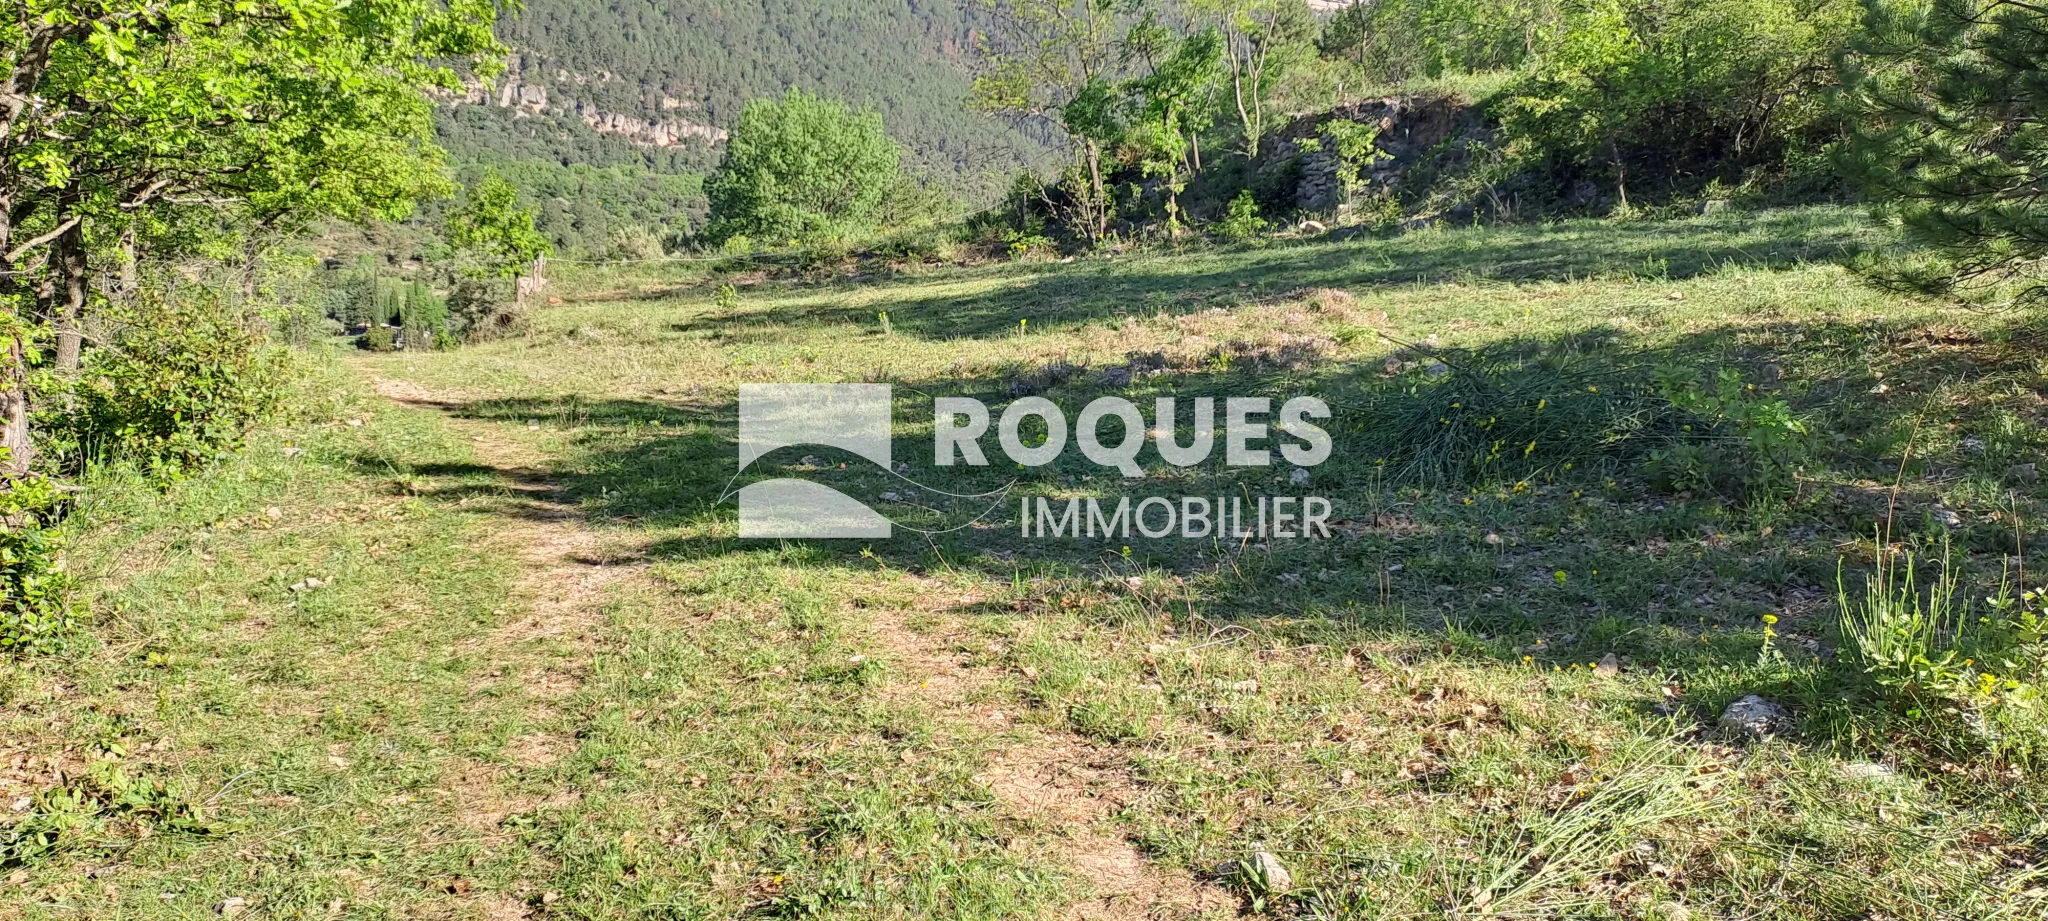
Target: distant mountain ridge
654 86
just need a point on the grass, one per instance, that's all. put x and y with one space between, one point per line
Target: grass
549 681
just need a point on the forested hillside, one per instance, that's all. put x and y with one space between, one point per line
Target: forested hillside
646 87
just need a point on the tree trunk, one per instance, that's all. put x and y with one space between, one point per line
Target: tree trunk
14 434
70 307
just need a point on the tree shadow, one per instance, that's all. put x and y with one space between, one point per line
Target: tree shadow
1189 283
1557 562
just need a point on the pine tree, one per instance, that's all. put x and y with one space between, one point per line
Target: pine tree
1949 103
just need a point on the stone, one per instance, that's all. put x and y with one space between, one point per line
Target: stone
1260 870
1864 770
1609 666
2023 473
1437 369
1271 873
1752 716
232 907
1714 206
1298 478
1313 227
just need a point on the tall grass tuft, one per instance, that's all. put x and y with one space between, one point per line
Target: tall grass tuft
1903 637
1457 417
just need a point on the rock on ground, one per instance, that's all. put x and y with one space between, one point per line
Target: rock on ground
1752 716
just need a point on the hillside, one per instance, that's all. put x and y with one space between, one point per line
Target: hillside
652 88
479 638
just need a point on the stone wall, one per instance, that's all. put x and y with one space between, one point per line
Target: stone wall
1411 128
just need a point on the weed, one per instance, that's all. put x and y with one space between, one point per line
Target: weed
1242 222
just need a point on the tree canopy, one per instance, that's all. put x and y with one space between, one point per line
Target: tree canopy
801 167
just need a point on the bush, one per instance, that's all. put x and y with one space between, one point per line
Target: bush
185 378
634 244
1242 222
1685 90
33 587
478 311
380 339
1983 678
802 167
1742 440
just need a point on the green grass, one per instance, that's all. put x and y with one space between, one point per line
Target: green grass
1408 715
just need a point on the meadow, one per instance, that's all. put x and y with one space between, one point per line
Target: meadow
474 636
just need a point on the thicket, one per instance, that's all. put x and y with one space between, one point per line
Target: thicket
150 155
1171 109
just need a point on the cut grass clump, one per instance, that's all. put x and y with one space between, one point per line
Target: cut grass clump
1463 417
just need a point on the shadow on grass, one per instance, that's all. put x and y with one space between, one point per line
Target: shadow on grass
1561 562
1098 290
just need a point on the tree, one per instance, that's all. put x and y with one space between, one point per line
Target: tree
1263 39
1713 82
1175 102
124 114
1948 107
801 167
491 226
1053 61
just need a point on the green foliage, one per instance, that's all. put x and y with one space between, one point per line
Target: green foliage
1242 222
1739 439
634 244
1459 417
87 811
1981 678
1263 40
491 225
1356 146
478 309
1903 638
380 339
34 590
1392 41
1947 102
186 377
699 62
802 168
581 206
1708 82
728 299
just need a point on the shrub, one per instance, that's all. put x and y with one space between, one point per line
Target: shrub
1741 440
1687 88
477 309
634 243
1242 222
380 339
33 587
802 167
185 379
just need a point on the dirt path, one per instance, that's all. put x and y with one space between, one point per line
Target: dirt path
1055 782
1064 788
566 573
